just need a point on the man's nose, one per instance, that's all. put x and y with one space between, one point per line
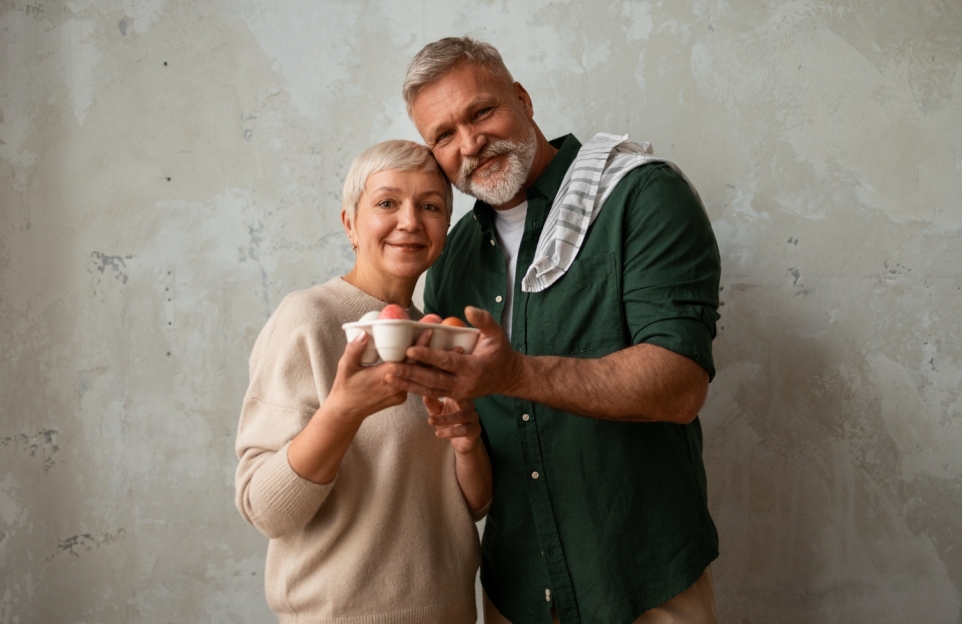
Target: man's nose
471 141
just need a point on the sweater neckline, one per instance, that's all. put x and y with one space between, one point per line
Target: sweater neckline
361 302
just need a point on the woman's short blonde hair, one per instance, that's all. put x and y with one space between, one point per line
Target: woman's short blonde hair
395 154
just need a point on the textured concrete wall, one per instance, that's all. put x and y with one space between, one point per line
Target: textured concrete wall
170 169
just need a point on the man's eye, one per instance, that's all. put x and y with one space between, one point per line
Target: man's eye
481 113
444 136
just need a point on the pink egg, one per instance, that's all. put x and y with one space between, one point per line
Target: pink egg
393 311
430 318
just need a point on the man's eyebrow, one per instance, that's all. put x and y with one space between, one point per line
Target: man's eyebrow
479 101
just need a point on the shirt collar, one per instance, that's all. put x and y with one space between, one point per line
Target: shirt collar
547 183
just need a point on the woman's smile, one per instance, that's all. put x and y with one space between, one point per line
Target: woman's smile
399 230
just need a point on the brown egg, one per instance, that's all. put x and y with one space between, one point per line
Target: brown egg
453 321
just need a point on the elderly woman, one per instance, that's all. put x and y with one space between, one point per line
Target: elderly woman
369 499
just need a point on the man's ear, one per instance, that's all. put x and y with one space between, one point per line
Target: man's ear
525 100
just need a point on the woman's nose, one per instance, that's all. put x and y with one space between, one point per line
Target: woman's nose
408 217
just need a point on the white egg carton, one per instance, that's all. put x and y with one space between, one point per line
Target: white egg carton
392 337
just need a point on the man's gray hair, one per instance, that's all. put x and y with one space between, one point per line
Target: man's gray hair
436 58
396 154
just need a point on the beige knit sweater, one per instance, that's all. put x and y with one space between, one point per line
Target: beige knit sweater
391 539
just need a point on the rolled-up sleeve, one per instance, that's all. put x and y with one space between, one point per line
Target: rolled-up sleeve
672 266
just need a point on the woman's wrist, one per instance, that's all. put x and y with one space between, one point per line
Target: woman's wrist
316 452
470 456
335 411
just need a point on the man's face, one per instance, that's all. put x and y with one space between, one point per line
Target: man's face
480 130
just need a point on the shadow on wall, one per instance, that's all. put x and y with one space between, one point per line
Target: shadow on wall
815 518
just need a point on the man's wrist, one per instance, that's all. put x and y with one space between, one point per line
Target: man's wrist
517 376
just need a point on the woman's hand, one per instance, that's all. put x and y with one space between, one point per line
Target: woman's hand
458 422
455 420
358 391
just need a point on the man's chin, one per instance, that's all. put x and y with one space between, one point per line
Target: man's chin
492 197
495 200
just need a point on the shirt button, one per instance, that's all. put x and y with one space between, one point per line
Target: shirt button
547 595
525 417
492 242
534 475
498 298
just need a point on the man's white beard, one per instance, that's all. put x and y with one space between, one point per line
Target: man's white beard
497 185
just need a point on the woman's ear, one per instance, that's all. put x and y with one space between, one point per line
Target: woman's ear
348 227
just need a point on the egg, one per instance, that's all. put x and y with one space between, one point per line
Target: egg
370 316
393 311
453 321
431 318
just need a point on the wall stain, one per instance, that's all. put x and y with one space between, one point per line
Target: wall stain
43 443
796 274
115 263
34 10
77 545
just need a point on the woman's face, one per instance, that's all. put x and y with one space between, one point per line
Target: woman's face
401 224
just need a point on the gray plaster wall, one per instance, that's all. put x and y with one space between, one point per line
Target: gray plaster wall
169 170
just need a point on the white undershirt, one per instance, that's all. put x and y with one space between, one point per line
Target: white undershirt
510 226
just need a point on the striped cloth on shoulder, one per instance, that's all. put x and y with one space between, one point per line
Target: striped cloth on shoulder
600 164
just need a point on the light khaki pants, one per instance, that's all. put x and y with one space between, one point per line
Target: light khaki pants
695 605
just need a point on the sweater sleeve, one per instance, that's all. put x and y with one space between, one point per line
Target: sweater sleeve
289 377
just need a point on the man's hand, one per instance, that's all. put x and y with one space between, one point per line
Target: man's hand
493 367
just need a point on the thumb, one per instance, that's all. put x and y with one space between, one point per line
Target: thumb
433 405
482 319
354 350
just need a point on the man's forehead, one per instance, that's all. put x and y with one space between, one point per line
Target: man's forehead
461 87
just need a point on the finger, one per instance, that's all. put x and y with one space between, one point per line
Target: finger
433 405
424 339
414 387
445 360
454 418
453 431
354 350
482 319
465 404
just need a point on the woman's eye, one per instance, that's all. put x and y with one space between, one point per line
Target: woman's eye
385 203
431 207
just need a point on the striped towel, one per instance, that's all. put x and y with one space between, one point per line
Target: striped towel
600 164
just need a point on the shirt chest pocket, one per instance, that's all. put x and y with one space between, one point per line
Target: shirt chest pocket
579 315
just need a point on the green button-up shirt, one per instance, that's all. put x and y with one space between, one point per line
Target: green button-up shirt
602 519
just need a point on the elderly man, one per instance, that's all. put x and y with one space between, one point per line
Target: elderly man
589 395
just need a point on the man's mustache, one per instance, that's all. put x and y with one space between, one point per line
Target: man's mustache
471 163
